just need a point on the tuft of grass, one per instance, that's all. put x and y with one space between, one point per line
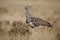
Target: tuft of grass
19 28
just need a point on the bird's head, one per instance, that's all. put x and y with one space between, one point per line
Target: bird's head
27 7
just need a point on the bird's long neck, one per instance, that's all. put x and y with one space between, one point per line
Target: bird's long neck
28 16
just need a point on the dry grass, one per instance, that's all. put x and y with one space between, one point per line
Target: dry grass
20 31
12 20
17 28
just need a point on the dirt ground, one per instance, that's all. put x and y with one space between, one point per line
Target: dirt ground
13 10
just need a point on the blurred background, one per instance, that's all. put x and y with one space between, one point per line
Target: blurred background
48 10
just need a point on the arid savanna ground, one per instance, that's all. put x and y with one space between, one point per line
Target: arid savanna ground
12 20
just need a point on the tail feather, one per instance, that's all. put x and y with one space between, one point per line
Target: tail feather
49 25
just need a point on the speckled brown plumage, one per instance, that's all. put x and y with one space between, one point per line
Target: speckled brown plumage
35 21
39 22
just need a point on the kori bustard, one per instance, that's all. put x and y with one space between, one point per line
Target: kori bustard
35 21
